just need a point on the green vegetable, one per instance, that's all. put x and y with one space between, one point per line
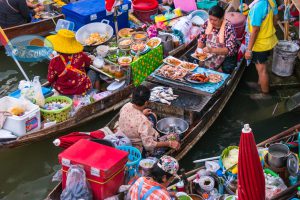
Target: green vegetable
268 171
227 150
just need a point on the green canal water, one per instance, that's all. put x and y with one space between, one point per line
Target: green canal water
26 172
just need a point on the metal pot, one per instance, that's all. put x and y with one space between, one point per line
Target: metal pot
172 125
277 155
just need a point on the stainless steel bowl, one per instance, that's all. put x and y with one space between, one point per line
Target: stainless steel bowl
172 125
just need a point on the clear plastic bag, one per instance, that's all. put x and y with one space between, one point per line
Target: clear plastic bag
32 90
77 186
274 185
80 101
57 176
118 139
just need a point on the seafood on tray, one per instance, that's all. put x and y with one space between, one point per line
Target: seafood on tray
162 94
172 72
95 38
201 56
198 78
172 61
215 78
189 66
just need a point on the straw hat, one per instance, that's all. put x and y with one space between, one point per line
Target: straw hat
64 42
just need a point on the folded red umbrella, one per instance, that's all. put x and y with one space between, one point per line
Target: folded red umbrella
251 180
71 138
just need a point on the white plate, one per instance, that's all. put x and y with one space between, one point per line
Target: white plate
115 86
165 61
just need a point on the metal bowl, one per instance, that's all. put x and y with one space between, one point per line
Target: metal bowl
172 125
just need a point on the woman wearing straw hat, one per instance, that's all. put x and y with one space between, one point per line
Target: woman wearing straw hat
154 187
66 71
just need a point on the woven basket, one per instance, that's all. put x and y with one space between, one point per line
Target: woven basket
57 115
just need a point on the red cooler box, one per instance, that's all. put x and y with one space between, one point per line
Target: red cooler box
104 166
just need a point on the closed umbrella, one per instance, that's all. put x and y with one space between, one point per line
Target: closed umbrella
251 180
69 139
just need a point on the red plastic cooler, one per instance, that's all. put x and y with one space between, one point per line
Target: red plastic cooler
104 166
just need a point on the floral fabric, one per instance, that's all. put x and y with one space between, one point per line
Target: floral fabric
70 79
137 127
146 64
230 37
168 164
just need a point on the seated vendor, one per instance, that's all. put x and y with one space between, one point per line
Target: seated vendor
134 123
155 186
17 12
218 38
67 71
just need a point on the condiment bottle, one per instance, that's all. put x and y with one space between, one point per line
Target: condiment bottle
180 186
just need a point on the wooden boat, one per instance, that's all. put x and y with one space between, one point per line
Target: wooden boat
42 28
200 118
85 114
285 136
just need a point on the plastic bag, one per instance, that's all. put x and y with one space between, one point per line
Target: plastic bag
57 176
76 186
32 90
80 101
118 139
274 185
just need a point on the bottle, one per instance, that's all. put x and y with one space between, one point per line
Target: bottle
184 179
298 192
180 186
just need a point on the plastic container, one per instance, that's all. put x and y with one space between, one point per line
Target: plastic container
186 5
238 22
104 166
21 125
57 115
134 158
206 4
64 24
284 56
144 9
87 11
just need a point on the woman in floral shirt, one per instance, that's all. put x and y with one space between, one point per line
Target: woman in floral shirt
218 38
134 123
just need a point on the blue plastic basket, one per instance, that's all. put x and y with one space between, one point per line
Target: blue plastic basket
134 158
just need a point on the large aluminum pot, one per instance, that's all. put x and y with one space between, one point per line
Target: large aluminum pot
277 155
103 28
172 125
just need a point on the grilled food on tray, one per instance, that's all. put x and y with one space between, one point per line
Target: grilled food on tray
201 56
202 78
189 66
171 72
215 78
173 61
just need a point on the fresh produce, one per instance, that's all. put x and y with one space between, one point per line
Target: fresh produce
230 156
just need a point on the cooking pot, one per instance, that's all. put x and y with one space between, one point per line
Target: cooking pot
172 125
277 155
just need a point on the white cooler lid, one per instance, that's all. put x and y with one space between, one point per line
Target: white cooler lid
5 134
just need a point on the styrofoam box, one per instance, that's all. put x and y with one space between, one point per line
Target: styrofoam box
21 125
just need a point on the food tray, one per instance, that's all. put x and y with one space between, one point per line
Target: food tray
192 69
165 61
208 57
169 79
188 79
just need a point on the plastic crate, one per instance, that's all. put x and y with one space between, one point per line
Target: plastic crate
206 4
88 11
